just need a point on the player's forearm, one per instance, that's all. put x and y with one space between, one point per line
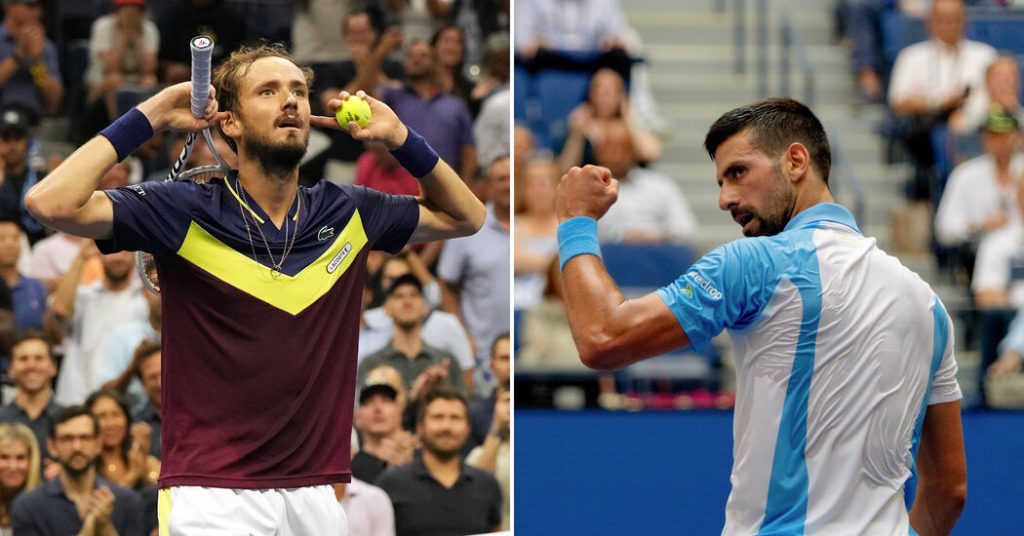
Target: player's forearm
66 190
935 512
442 189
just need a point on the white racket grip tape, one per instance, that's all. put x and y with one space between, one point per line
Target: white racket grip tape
202 54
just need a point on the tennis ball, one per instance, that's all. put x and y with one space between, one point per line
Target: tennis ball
353 109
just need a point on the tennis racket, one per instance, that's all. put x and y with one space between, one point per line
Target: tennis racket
202 52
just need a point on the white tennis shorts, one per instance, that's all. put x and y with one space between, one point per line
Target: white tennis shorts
193 510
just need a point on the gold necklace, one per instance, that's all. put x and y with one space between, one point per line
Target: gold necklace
276 268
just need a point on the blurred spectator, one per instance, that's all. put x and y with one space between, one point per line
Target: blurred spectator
437 493
418 18
864 19
29 71
124 447
28 295
547 340
545 29
315 38
607 108
367 508
449 45
1003 378
443 120
18 172
522 151
368 50
53 256
90 313
494 70
1001 90
144 369
480 20
116 369
536 225
931 80
19 468
474 273
495 453
650 207
378 419
181 20
376 168
32 369
481 411
492 123
998 280
407 352
979 196
123 48
52 508
441 330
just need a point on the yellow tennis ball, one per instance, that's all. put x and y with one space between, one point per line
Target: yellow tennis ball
353 109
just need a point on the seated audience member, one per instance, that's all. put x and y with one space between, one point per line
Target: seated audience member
494 454
930 80
19 468
367 508
28 295
1001 90
547 339
650 207
482 410
407 351
536 225
29 69
90 313
53 256
1002 378
145 369
474 273
124 447
18 173
980 195
123 48
378 419
449 45
316 41
117 367
998 282
52 508
32 369
376 168
607 109
545 29
181 20
437 493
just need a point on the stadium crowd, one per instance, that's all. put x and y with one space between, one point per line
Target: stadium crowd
80 440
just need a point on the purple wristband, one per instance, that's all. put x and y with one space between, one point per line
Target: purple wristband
415 155
128 133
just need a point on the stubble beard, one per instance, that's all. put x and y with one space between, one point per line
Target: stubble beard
280 159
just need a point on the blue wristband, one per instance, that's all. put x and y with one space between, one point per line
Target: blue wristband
577 236
128 133
416 156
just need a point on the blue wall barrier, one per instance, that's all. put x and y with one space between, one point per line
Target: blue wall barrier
594 472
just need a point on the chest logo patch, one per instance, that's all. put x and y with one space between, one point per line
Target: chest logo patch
325 233
333 265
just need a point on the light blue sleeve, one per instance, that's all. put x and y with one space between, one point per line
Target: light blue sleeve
727 288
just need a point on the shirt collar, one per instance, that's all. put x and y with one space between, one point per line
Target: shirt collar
54 486
816 214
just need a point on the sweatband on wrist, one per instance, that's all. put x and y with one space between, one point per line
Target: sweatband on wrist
416 156
577 236
128 133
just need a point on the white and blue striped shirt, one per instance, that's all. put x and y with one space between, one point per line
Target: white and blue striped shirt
838 349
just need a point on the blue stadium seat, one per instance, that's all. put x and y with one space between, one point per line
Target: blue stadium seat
558 93
646 265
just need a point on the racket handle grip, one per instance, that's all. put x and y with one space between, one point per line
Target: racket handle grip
202 54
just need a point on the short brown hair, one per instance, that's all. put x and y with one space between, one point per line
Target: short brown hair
227 77
145 349
441 392
33 335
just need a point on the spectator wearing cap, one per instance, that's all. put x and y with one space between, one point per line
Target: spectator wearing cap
29 70
123 48
438 493
980 195
407 352
18 175
378 419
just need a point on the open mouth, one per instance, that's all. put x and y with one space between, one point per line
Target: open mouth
289 122
742 218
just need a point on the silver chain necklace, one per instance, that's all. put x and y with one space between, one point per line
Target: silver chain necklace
276 268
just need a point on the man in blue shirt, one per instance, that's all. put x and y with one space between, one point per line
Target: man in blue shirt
29 73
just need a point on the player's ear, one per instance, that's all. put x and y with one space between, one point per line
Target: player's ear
796 162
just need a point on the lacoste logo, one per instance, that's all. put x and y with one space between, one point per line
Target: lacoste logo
325 233
336 261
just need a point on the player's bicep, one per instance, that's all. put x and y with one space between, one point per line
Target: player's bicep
435 224
941 460
94 220
651 327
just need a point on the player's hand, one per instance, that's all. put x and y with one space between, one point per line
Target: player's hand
384 125
170 109
588 191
